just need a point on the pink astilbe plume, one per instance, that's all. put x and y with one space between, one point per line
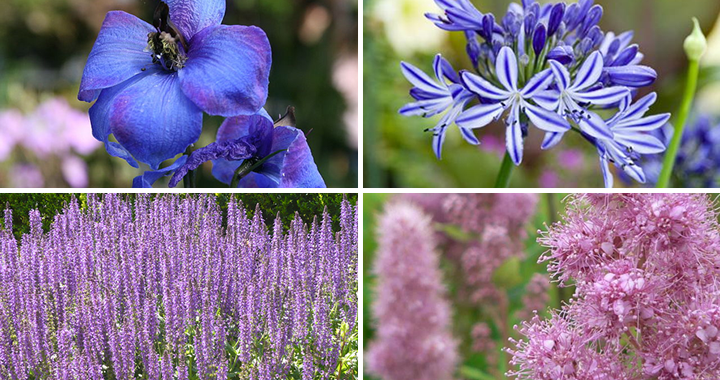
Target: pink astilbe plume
647 303
413 318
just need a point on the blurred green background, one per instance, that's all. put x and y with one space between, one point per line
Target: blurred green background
44 44
398 154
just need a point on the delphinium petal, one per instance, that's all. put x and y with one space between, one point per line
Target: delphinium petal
294 167
227 70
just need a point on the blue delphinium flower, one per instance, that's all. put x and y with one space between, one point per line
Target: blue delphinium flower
152 83
551 65
255 153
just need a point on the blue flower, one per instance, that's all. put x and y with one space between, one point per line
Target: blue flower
632 137
566 99
550 65
434 97
510 97
244 142
698 161
153 83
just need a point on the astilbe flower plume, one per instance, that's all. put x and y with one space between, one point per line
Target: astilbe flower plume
171 288
413 337
646 303
548 65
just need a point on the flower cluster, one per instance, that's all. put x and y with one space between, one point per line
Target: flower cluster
646 303
53 130
152 83
550 66
698 161
413 337
172 288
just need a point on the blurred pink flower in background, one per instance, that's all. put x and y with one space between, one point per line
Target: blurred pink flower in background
346 80
549 179
54 130
26 175
11 122
571 159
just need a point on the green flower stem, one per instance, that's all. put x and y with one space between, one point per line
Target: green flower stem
248 166
695 47
680 123
503 178
474 373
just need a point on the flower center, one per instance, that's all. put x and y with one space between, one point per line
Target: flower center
166 51
167 45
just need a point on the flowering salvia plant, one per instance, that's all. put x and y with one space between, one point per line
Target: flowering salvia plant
549 66
646 304
173 288
152 83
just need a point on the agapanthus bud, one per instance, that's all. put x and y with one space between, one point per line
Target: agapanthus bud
696 43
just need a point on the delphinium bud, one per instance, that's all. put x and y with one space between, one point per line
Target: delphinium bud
413 339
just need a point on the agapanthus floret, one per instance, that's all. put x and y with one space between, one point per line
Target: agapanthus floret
435 97
536 58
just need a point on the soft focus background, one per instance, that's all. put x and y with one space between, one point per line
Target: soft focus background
45 135
398 153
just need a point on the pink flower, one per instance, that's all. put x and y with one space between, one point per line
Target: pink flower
413 318
647 299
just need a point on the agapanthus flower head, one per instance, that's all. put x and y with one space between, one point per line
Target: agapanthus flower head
549 66
645 268
152 83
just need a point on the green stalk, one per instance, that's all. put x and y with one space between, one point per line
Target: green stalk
695 46
503 178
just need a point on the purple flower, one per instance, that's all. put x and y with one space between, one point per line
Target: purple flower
567 98
292 166
633 137
413 337
152 83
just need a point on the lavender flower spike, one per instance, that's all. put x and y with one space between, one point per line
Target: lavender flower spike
413 339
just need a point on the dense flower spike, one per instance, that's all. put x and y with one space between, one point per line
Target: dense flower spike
173 288
550 65
413 337
646 304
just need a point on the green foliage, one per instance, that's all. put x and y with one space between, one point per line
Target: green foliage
286 205
49 205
